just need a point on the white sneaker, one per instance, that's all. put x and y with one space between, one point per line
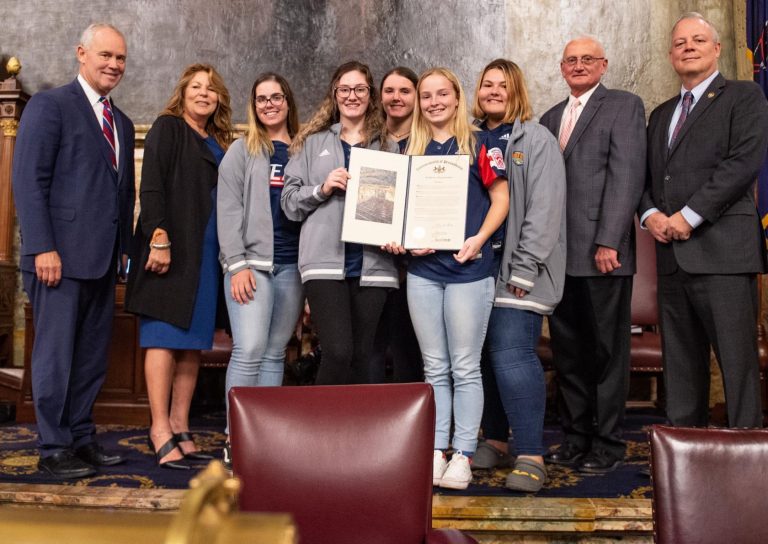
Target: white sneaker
439 465
458 474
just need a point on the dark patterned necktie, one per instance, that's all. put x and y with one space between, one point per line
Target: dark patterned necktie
687 99
108 128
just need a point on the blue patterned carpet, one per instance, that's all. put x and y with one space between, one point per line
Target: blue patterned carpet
18 462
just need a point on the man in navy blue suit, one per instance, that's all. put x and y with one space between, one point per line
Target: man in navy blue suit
73 184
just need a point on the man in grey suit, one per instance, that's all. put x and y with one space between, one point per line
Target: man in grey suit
602 135
705 148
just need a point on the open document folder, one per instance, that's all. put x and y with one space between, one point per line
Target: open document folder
414 200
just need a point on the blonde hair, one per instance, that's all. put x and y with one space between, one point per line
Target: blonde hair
219 124
327 113
518 103
256 136
421 131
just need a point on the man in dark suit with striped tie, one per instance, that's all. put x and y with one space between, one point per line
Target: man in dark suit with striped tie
73 184
602 135
705 148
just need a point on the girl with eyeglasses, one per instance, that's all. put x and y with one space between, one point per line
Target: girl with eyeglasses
450 294
346 284
531 272
259 244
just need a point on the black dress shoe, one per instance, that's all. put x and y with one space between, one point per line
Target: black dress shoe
600 462
566 454
64 464
194 455
94 454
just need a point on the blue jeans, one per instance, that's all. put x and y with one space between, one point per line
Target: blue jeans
511 347
450 320
261 329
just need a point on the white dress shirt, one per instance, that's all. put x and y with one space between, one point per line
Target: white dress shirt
690 216
98 109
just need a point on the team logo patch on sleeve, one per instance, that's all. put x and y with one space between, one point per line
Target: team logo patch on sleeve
517 157
497 158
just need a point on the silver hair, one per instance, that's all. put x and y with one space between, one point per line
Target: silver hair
589 37
87 36
699 16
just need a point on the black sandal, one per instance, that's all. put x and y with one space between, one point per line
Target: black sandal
184 436
164 450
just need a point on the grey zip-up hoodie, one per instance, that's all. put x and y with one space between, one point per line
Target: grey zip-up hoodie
321 251
534 247
244 213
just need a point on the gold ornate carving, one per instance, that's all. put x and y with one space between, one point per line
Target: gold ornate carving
13 67
10 127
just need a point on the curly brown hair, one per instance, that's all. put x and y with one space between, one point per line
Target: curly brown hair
219 124
328 112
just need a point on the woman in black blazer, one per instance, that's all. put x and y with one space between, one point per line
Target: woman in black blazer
174 278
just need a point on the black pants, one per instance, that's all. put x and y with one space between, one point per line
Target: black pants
699 310
346 316
590 331
395 338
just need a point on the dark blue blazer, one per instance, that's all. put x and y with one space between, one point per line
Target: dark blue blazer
68 197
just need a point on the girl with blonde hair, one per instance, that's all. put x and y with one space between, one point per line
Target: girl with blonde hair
450 294
259 244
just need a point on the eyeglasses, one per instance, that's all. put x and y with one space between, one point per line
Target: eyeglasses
275 99
361 91
586 60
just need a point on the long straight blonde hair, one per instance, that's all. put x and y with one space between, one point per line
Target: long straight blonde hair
421 130
256 137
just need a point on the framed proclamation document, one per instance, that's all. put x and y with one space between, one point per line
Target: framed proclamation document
416 201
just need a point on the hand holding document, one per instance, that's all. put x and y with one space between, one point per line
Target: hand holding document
414 201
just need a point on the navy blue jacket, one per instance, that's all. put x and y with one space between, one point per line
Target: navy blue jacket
68 196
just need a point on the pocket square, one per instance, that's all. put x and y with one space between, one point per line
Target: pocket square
324 153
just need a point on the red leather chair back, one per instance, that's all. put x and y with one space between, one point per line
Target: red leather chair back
709 485
352 463
645 309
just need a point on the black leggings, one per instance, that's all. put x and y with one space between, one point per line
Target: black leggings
346 316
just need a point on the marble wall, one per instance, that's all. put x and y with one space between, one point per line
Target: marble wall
635 34
306 39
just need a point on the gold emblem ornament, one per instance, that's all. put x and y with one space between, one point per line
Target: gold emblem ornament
13 67
439 169
711 94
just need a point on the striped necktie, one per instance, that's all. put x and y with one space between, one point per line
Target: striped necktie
687 100
108 128
570 122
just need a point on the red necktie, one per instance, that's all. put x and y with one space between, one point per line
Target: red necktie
108 128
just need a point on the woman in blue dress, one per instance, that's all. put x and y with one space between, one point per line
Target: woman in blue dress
174 279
